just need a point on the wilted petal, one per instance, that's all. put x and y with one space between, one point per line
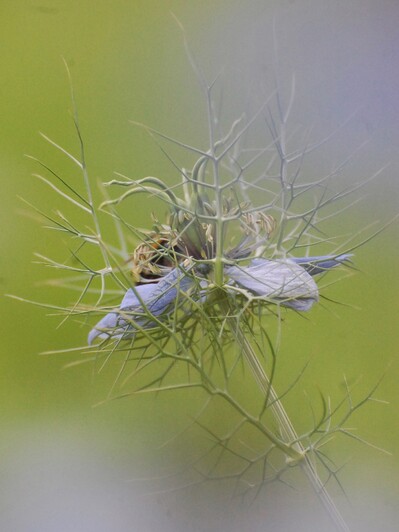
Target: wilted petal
281 281
152 298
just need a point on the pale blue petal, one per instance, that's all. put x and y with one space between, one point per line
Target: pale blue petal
144 291
313 265
316 265
108 323
281 281
152 298
167 289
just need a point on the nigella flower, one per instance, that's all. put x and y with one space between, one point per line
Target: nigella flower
287 282
173 270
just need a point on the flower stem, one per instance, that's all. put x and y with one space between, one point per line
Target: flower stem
287 430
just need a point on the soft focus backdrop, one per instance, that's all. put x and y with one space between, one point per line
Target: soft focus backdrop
66 464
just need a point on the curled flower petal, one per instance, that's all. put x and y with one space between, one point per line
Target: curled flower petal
281 281
315 265
147 299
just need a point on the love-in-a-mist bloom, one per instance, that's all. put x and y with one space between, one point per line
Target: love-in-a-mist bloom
176 270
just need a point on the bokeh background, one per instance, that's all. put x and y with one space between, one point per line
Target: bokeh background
68 465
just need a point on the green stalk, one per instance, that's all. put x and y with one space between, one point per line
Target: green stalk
287 429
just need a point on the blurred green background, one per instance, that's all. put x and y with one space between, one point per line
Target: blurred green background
65 464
